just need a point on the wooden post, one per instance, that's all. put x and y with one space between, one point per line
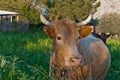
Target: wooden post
11 18
0 18
17 18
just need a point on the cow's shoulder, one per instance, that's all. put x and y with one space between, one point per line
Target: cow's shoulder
93 43
90 39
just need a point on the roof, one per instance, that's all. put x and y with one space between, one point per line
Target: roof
7 13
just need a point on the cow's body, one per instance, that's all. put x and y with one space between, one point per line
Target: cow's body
96 55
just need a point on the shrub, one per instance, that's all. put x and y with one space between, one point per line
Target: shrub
28 13
7 26
23 25
110 23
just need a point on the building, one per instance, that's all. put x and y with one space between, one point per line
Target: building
8 15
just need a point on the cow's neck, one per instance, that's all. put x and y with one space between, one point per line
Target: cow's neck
73 73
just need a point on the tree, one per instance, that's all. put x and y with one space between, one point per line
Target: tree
58 9
71 9
110 23
24 8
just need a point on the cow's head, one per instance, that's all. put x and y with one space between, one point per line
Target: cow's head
66 35
103 36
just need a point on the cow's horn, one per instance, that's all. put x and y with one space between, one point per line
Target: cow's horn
44 20
42 17
85 21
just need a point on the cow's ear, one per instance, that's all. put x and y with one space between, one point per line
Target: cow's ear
85 31
49 30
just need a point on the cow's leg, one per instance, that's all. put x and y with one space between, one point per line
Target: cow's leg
103 72
101 77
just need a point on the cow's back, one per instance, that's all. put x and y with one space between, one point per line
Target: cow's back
96 55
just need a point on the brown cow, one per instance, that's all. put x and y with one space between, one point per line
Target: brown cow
78 55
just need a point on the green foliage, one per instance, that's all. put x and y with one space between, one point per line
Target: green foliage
71 9
97 5
114 71
44 2
5 4
110 23
30 14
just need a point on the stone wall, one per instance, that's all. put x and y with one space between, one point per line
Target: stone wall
107 6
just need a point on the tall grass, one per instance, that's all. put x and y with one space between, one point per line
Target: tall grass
114 71
25 56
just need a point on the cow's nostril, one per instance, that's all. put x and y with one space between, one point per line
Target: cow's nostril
76 60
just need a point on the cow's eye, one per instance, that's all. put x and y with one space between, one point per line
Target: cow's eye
59 38
79 37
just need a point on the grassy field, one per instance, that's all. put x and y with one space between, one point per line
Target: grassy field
25 56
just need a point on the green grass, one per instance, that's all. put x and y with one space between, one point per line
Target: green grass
25 56
114 71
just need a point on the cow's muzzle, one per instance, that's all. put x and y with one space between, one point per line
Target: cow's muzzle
76 60
73 61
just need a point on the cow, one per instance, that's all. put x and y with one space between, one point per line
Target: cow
103 36
78 55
